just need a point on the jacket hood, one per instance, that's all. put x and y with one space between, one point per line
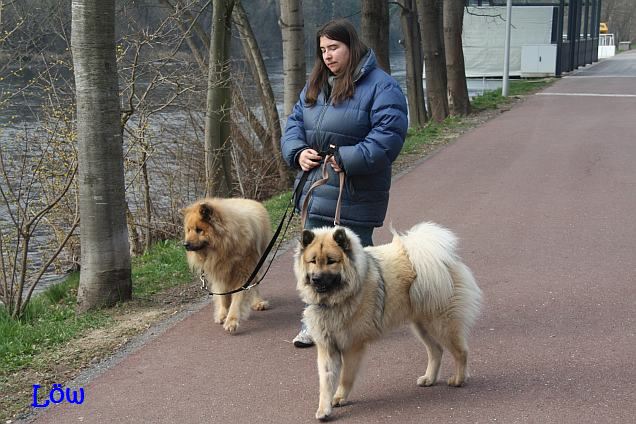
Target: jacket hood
366 64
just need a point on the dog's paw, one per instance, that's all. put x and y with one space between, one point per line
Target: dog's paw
260 305
338 401
455 381
340 398
323 414
231 325
425 381
219 317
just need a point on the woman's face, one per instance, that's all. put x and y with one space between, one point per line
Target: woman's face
335 54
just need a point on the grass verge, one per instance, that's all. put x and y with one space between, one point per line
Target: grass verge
49 320
493 99
162 267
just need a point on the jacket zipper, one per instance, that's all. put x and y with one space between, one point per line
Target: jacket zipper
324 111
319 135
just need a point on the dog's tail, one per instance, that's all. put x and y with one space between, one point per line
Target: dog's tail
442 279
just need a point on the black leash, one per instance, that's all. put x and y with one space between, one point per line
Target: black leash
249 284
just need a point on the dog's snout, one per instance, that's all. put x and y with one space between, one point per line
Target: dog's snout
194 246
323 282
191 247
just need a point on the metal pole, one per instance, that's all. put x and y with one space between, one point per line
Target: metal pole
596 23
504 87
559 39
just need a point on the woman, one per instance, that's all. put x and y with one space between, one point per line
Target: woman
352 104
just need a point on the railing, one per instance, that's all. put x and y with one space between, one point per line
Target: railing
606 46
606 40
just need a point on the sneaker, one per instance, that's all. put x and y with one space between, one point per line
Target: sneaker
303 339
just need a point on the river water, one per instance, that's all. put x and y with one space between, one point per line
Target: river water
23 111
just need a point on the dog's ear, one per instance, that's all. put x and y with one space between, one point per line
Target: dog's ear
308 237
206 211
340 237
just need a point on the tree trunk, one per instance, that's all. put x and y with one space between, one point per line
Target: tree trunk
458 101
294 67
264 87
190 23
434 61
105 277
147 200
414 60
374 30
218 161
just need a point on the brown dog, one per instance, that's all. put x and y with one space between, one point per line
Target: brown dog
356 294
225 239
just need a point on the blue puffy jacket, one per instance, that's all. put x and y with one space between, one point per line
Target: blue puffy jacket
368 130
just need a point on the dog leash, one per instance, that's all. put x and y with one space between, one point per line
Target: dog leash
249 284
304 211
325 177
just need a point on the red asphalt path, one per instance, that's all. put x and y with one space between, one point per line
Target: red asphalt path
543 199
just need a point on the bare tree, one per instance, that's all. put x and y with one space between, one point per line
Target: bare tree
217 123
434 60
620 16
105 278
23 175
374 30
294 67
264 87
154 80
248 141
38 163
453 17
414 61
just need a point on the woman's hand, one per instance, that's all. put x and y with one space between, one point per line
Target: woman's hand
308 159
334 164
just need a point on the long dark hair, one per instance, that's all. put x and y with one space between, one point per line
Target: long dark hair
343 31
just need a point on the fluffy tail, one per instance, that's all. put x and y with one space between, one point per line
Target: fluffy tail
442 279
466 300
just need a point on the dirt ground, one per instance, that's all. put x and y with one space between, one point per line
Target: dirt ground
137 321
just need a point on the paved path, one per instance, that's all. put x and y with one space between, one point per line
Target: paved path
544 201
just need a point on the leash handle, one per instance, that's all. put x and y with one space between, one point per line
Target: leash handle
341 177
325 177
